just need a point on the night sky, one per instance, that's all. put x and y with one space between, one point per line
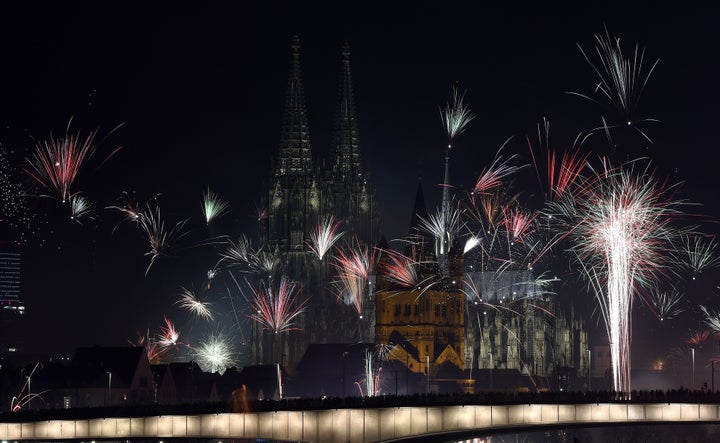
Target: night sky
199 92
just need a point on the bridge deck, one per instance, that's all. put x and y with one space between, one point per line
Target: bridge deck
357 425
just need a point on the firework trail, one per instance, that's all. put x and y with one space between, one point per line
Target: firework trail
561 170
55 163
19 401
665 304
620 79
129 208
276 308
698 254
159 236
242 254
621 226
696 338
215 354
372 377
405 271
494 175
80 207
353 272
154 350
324 236
213 207
712 319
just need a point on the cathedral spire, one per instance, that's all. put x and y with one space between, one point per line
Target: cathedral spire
295 156
346 150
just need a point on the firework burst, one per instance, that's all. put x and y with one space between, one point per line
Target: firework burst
622 231
456 115
444 226
276 308
241 254
353 272
189 301
159 236
80 208
698 254
494 175
56 162
215 353
169 335
213 207
324 236
620 79
665 304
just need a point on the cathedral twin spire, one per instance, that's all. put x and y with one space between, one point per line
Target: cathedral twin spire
295 154
295 149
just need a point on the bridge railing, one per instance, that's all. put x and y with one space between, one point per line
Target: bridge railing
357 425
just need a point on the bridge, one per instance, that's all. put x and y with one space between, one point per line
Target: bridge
360 425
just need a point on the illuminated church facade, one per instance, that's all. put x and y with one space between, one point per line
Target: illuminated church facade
431 329
300 194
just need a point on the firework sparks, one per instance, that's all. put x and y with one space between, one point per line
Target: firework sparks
154 350
169 335
712 319
276 308
80 207
56 163
621 234
562 171
354 268
324 236
404 271
699 254
372 377
241 253
471 243
189 301
456 116
215 354
665 304
129 208
213 207
160 237
443 226
493 176
620 79
696 338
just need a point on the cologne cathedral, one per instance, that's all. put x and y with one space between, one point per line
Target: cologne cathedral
300 194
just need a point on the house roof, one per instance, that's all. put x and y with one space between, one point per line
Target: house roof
95 363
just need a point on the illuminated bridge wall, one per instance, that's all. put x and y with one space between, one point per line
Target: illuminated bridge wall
357 425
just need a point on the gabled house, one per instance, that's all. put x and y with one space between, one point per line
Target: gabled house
96 377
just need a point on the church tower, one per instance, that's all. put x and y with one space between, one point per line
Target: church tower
298 197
